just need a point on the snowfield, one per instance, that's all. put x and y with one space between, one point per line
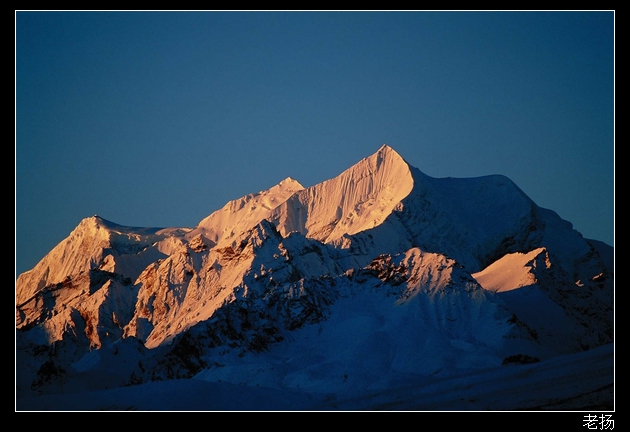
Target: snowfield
545 386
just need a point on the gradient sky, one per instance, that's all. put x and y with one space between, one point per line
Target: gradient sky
157 119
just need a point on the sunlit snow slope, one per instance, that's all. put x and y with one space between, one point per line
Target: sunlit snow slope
240 215
358 199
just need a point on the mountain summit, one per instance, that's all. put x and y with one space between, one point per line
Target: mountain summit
347 286
358 199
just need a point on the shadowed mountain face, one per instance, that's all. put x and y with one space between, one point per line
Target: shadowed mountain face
353 284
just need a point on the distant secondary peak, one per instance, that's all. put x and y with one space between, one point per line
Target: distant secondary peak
92 221
97 221
242 214
290 181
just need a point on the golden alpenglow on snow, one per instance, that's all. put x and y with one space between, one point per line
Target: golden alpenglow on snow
381 288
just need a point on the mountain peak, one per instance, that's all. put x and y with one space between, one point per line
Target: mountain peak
97 222
358 199
387 154
386 149
242 214
290 181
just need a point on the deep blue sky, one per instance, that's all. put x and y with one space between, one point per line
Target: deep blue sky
160 118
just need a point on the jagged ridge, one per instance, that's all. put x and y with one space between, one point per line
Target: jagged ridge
283 260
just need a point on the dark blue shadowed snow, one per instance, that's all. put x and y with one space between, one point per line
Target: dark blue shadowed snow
579 381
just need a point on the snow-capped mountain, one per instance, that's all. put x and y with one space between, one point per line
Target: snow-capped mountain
352 285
